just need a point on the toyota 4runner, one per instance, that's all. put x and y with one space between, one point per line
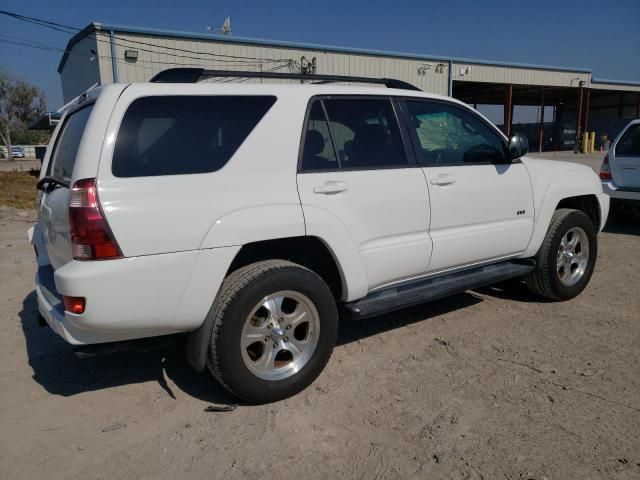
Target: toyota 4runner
253 216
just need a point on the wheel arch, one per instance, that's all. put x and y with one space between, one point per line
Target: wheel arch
308 251
586 203
594 205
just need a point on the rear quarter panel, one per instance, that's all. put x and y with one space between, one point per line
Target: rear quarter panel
254 196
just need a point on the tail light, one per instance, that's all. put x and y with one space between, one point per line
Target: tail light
605 169
91 237
74 304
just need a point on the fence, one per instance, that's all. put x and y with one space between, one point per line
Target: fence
30 151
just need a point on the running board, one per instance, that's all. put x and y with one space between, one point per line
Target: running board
425 290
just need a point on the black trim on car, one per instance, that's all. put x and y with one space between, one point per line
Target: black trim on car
330 130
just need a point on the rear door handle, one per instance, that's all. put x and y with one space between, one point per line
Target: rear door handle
443 179
331 188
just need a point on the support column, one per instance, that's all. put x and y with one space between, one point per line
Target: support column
541 123
508 109
585 123
638 105
621 105
114 63
576 147
558 119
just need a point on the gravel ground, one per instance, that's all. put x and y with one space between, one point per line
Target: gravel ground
487 384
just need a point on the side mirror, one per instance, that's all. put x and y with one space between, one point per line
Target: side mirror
518 146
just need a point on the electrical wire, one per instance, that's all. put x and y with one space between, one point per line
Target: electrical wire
61 28
28 43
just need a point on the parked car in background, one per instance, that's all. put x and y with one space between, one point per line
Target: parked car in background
253 217
620 171
17 152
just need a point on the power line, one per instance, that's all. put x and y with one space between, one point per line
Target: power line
236 60
40 46
61 28
38 21
236 80
26 43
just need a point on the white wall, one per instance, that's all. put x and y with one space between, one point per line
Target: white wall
80 72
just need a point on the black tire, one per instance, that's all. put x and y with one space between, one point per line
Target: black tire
240 292
544 280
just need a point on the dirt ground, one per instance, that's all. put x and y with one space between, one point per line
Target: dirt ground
487 384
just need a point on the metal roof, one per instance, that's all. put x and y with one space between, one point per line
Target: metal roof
96 26
615 82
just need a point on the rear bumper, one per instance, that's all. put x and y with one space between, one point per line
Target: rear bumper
619 193
132 298
69 326
50 303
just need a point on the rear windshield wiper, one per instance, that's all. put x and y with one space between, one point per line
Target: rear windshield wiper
46 184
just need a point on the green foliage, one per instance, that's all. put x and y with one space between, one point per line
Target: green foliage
20 104
24 136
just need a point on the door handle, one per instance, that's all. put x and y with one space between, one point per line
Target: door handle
443 179
331 188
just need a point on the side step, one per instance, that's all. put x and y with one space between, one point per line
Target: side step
425 290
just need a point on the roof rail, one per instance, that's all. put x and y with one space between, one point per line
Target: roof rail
193 75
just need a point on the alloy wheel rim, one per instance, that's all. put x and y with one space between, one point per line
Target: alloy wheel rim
573 256
280 335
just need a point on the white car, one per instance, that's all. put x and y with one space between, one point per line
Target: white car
620 171
253 216
17 152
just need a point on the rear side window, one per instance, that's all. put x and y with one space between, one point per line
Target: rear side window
64 154
360 133
629 144
176 135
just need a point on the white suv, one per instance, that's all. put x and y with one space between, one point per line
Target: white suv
252 216
620 171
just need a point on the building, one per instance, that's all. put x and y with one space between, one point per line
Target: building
102 54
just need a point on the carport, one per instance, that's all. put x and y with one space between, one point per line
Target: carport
576 109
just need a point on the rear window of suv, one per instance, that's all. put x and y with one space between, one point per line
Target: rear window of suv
175 135
65 151
629 144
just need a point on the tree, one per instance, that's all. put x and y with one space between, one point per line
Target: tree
20 104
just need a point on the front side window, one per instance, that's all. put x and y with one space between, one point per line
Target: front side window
63 157
174 135
629 144
354 134
449 135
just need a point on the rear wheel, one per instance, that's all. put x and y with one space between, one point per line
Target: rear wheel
566 258
274 329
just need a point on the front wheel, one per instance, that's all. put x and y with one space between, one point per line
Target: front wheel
274 329
566 258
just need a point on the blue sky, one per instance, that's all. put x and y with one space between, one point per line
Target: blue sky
602 36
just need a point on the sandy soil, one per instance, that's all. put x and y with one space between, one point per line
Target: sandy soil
487 384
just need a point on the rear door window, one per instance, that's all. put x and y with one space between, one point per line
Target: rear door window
65 151
355 133
318 153
176 135
629 144
366 133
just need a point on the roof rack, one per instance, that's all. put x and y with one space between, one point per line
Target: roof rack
193 75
